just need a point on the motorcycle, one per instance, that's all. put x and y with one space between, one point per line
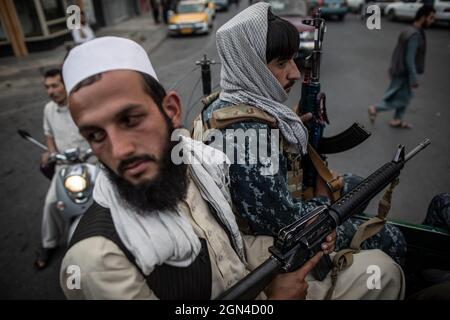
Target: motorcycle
75 182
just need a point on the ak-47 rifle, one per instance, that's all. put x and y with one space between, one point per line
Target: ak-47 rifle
314 101
301 240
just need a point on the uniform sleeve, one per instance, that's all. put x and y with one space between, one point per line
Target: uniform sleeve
105 273
411 51
46 121
263 200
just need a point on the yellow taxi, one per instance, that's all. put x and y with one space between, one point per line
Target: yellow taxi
191 16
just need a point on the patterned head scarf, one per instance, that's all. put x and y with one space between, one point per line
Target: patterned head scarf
245 77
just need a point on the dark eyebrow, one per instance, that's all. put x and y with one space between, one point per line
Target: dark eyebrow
126 109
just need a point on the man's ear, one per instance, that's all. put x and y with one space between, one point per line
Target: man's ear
172 108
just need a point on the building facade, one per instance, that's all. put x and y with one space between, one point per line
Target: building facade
41 24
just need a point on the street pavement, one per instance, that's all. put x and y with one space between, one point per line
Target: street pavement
354 75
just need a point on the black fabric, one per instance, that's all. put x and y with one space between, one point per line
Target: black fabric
97 221
167 282
190 283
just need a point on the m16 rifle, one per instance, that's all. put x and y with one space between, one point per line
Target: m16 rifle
301 240
314 101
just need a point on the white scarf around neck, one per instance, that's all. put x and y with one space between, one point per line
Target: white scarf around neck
158 238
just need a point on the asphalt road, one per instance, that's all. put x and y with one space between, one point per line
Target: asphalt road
353 76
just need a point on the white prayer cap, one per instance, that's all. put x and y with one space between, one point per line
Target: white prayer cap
104 54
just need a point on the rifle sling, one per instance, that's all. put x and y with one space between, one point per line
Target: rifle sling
325 173
227 116
344 258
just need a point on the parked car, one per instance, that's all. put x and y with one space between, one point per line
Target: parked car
331 8
191 16
358 5
355 5
295 11
222 5
406 10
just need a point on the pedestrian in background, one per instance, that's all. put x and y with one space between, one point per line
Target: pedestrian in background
168 5
155 10
85 33
407 61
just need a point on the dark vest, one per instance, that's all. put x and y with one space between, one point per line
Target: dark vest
398 62
167 282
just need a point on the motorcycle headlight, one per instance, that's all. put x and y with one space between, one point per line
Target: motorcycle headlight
75 184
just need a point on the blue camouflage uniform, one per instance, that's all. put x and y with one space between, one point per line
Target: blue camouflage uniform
438 214
266 204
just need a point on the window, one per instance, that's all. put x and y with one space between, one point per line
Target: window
2 32
26 11
53 9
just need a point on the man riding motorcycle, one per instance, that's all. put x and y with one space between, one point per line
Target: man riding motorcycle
61 134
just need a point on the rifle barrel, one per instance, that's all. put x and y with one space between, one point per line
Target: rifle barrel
255 282
416 150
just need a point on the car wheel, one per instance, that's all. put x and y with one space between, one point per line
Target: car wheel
341 17
391 15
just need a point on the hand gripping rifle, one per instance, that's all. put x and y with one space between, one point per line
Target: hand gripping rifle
314 101
298 242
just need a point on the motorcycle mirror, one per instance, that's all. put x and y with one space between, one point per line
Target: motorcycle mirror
24 134
88 154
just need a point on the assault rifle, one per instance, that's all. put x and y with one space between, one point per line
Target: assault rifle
314 101
301 240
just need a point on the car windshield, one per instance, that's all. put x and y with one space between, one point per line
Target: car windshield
190 8
288 7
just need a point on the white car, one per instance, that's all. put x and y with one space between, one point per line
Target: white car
355 5
406 10
358 5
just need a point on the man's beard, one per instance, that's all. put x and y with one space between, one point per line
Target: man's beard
162 193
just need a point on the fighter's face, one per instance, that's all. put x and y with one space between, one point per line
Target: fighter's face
124 126
55 89
285 71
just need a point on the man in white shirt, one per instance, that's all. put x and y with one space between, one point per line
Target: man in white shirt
85 33
61 134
